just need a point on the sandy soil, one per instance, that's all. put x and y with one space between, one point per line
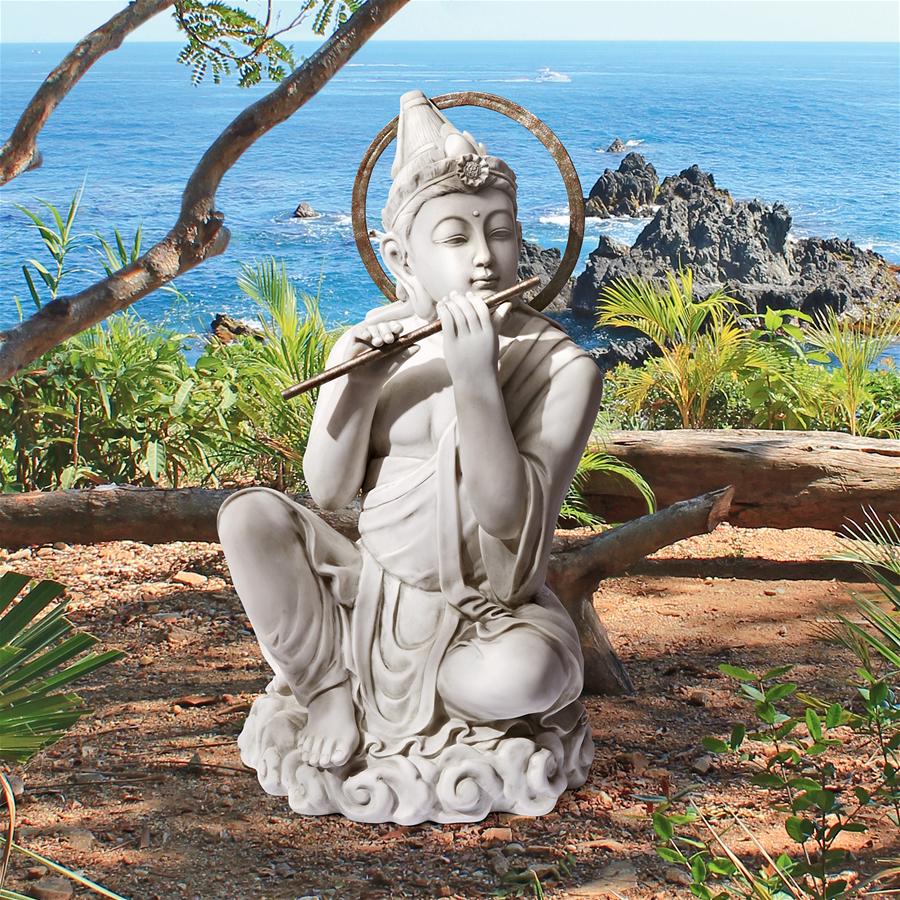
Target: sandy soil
148 795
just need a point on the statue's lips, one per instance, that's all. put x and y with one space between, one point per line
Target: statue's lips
484 283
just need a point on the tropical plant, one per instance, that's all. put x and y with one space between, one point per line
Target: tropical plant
38 650
295 345
699 341
59 238
41 657
855 348
575 509
788 747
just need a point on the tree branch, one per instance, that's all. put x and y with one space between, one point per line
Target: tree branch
198 234
20 152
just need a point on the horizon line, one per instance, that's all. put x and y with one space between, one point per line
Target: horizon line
535 40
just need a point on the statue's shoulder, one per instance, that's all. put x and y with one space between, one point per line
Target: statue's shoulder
545 332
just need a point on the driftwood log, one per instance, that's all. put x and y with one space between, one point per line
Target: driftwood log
781 479
152 515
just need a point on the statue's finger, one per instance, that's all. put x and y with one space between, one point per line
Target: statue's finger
448 323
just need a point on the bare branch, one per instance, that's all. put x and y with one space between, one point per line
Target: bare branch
198 234
20 152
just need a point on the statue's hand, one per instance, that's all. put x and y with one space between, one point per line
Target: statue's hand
470 341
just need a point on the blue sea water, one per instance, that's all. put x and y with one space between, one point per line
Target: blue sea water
814 126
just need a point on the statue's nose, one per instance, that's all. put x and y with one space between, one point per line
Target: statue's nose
481 254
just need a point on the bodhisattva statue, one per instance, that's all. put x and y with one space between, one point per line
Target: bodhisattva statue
426 672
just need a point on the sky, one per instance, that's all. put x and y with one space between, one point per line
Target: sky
47 21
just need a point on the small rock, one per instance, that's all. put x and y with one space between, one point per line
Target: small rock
80 838
52 888
44 552
191 579
16 785
88 776
35 872
636 762
197 700
377 876
617 146
496 836
24 553
769 592
702 764
145 660
305 211
674 875
500 864
514 849
699 698
61 545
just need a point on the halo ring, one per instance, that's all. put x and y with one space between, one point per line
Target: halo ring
512 111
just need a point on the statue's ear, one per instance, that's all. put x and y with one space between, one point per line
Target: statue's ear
393 253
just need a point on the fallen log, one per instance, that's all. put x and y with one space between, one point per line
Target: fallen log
576 571
153 515
781 479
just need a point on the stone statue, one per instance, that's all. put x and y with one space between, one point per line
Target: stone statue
426 672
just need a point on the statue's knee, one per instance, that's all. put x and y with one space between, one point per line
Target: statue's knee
250 515
516 674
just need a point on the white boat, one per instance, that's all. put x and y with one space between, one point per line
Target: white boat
547 74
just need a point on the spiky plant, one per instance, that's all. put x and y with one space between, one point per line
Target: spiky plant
575 508
38 650
699 341
856 347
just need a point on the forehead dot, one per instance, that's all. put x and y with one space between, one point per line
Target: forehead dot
476 213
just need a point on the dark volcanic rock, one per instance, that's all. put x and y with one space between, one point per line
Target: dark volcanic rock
629 191
616 147
305 211
535 260
689 184
742 247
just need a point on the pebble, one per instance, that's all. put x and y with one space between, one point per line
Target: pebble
699 698
16 785
44 552
35 872
192 579
674 875
496 835
52 888
702 764
80 838
514 849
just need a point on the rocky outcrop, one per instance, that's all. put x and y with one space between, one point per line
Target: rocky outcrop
616 146
535 260
305 211
228 329
743 248
629 191
689 184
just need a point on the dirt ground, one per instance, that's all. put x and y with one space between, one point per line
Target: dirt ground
148 796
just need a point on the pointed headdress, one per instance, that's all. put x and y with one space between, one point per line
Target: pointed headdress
433 153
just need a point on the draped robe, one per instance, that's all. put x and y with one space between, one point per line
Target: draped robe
388 608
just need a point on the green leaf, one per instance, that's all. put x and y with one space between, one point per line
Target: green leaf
799 829
766 779
671 855
715 745
664 829
738 733
777 672
752 692
780 691
814 724
736 672
834 715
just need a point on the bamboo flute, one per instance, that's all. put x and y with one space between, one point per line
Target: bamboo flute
404 341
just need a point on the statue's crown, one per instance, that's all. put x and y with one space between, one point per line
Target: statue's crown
431 150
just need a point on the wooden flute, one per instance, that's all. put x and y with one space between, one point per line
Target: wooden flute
401 343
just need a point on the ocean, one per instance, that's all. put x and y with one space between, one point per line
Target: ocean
813 126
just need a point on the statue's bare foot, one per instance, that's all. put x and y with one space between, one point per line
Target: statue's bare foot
330 735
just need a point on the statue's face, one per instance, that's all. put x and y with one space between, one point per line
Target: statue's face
463 242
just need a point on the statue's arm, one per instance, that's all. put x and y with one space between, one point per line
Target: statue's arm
336 457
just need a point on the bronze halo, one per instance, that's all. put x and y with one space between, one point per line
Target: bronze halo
517 114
